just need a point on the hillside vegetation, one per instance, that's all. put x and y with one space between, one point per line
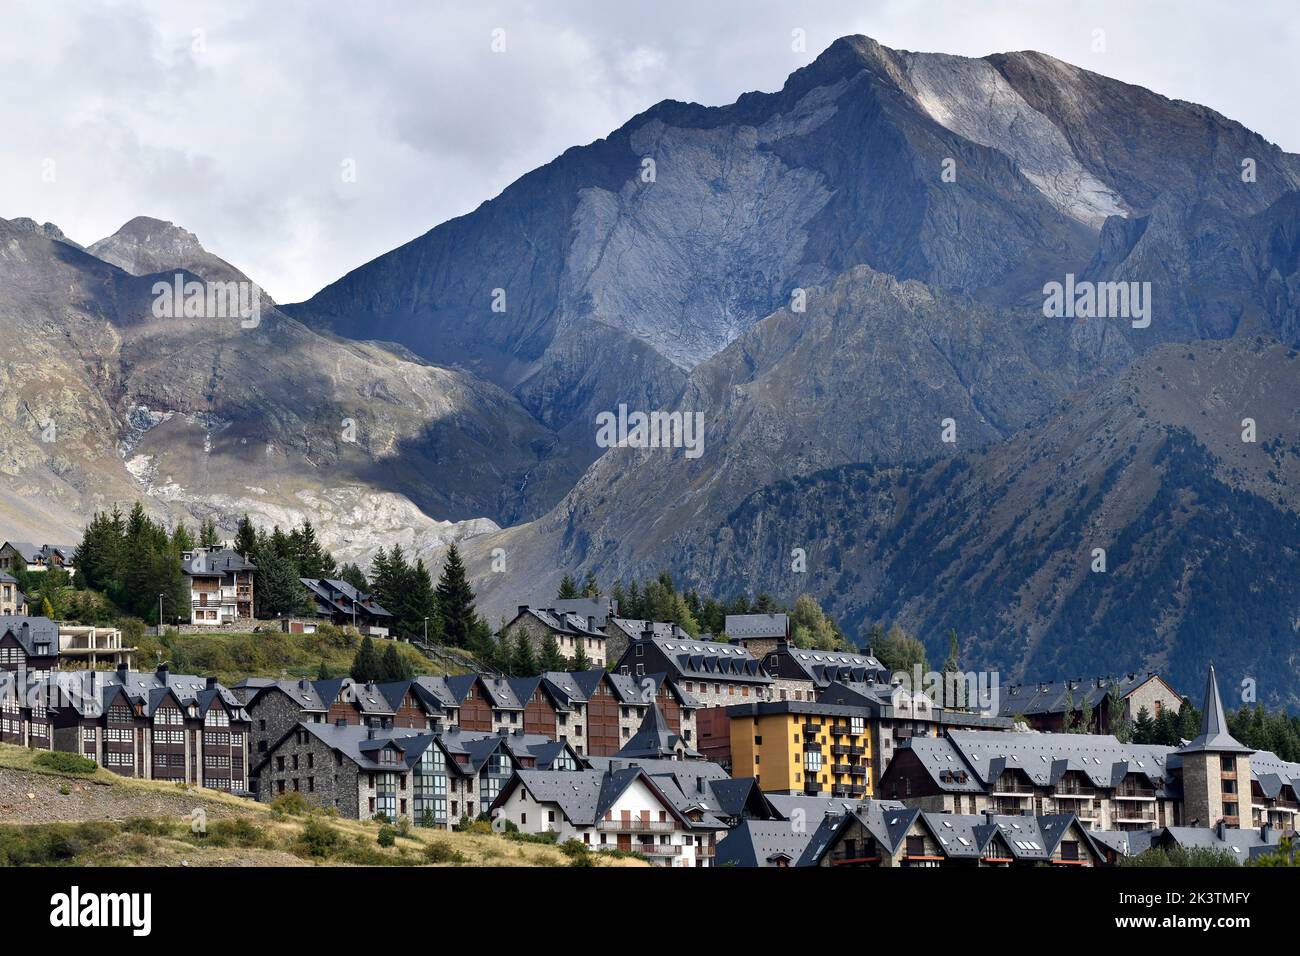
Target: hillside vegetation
232 657
96 818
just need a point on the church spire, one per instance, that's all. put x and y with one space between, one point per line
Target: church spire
1214 734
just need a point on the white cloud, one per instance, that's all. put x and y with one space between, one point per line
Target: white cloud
238 132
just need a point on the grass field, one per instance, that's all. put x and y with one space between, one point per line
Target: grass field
51 818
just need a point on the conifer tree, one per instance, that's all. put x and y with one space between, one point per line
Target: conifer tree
367 666
580 661
523 662
245 537
455 601
552 659
394 666
568 590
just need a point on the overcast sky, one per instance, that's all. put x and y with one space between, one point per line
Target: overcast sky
234 119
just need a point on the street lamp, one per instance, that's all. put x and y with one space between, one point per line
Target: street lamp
426 632
160 623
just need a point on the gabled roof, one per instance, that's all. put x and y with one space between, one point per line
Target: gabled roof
561 622
302 692
1214 736
362 744
38 636
36 553
760 843
743 626
655 738
202 563
1052 697
333 596
89 693
500 694
708 660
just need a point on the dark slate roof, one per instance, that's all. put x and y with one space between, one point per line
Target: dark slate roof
302 692
1241 845
88 693
757 843
32 553
1123 842
333 596
38 636
1045 758
361 744
1050 697
437 690
823 667
499 692
887 822
562 622
600 609
222 561
634 627
1214 736
711 660
654 738
742 626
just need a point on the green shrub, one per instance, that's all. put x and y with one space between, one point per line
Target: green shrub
239 832
61 762
439 851
292 804
148 826
387 836
52 843
318 839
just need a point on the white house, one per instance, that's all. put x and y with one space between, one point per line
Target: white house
618 809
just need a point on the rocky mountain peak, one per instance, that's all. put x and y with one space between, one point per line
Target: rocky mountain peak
144 246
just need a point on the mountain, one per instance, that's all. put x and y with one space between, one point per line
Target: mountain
206 418
1200 531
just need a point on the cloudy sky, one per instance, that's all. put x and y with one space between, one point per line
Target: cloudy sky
241 120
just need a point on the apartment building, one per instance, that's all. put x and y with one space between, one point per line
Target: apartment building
1047 705
758 633
432 778
878 836
801 747
622 808
221 586
1209 781
714 674
572 631
158 725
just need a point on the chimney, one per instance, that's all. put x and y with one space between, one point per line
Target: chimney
161 672
591 622
648 631
122 672
523 608
370 733
503 731
1265 832
1221 829
341 722
435 726
303 683
989 814
212 682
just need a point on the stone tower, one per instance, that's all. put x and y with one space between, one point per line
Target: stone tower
1216 769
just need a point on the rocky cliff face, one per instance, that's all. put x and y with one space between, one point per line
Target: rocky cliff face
104 402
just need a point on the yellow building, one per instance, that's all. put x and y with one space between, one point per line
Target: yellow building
800 747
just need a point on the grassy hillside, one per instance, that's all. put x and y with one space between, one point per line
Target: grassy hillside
232 657
52 816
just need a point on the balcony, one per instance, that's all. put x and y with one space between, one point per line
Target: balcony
842 769
810 730
657 849
637 826
1134 793
1134 815
847 750
858 770
841 730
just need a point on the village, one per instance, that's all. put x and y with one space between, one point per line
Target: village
635 737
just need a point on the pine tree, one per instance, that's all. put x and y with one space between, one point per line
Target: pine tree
589 587
182 540
367 666
422 604
245 537
208 536
568 590
1143 727
313 561
580 661
322 672
552 659
394 666
455 600
523 662
354 576
276 587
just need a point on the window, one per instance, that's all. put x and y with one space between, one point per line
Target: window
812 761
